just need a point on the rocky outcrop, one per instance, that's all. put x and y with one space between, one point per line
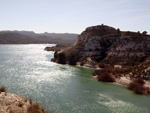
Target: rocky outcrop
110 45
129 49
12 103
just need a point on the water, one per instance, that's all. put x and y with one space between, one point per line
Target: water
28 71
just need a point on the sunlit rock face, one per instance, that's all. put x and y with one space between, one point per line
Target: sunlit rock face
111 45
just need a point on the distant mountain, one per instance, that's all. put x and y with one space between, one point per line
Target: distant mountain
25 37
17 38
68 37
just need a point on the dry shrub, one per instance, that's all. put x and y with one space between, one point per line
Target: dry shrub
137 86
30 101
101 65
35 108
96 72
117 72
3 89
101 71
25 99
108 73
106 77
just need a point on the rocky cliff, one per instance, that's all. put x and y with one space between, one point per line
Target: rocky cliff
110 45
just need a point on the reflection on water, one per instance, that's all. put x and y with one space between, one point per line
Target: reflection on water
27 70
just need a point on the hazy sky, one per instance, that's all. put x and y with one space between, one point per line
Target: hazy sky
74 16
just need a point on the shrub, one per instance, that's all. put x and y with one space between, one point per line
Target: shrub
101 65
137 86
35 108
3 89
101 71
30 101
25 99
96 72
106 77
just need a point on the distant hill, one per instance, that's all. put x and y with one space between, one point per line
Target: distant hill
17 38
68 37
27 37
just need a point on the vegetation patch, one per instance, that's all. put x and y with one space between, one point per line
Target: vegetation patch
3 89
35 108
137 86
106 77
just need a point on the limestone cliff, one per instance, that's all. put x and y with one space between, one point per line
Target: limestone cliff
110 45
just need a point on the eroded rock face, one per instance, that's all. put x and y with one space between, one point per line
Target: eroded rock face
13 103
95 42
128 50
111 45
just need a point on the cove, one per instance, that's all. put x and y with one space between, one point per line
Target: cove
27 70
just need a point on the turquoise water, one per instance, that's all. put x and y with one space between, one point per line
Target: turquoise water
28 71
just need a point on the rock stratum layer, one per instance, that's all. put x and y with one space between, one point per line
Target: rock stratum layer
104 43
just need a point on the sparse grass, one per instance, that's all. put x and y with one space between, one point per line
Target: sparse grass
32 108
30 101
25 99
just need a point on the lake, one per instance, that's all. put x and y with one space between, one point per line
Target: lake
27 70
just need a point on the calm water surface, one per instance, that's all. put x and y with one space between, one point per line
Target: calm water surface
28 71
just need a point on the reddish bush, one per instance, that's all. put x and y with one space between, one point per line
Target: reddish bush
101 65
96 72
137 86
101 71
139 81
2 89
106 77
35 108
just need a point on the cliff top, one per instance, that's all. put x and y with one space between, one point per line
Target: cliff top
100 30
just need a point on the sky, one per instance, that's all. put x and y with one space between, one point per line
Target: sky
73 16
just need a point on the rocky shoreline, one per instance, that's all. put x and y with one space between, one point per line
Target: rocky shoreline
124 55
13 103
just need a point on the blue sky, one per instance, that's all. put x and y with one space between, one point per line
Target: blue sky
74 16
